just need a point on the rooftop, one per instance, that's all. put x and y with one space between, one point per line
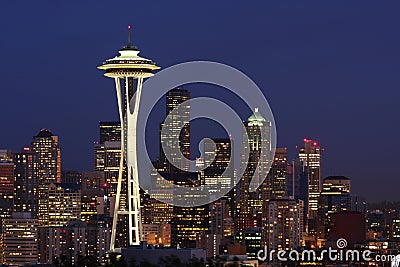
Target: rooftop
336 178
45 133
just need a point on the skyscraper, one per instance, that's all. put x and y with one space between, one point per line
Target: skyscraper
94 201
278 173
71 177
310 156
174 98
187 223
337 184
217 155
47 147
26 182
110 131
6 183
107 161
250 208
212 175
335 197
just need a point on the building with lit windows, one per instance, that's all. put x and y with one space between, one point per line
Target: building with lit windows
220 171
187 223
395 230
47 147
217 155
157 234
210 243
107 160
174 98
20 239
337 183
285 224
250 207
110 131
64 204
71 177
278 173
6 184
251 239
107 155
335 197
375 224
310 156
26 182
95 202
73 240
155 209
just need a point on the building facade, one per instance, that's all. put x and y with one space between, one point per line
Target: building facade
47 147
20 239
26 182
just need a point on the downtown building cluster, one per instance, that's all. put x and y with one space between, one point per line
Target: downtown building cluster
52 216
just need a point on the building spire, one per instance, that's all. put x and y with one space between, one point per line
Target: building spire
129 35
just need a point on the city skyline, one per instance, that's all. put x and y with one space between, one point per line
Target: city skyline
262 128
76 218
329 71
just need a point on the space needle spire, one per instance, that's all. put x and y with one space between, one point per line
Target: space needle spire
129 35
128 70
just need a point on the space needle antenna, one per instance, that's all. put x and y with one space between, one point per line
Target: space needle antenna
129 35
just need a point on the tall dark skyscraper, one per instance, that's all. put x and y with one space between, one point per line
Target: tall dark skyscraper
335 197
188 222
310 156
107 157
278 173
251 204
26 182
223 210
217 166
47 147
174 98
107 160
110 131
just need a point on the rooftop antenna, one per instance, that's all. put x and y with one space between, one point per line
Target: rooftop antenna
129 35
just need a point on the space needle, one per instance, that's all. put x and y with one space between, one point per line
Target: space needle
128 70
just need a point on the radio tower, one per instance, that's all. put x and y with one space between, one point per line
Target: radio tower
128 70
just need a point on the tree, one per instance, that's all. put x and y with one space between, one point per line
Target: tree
116 260
145 263
170 261
62 261
87 261
195 262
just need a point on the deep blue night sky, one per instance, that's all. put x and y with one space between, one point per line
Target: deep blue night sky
330 70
